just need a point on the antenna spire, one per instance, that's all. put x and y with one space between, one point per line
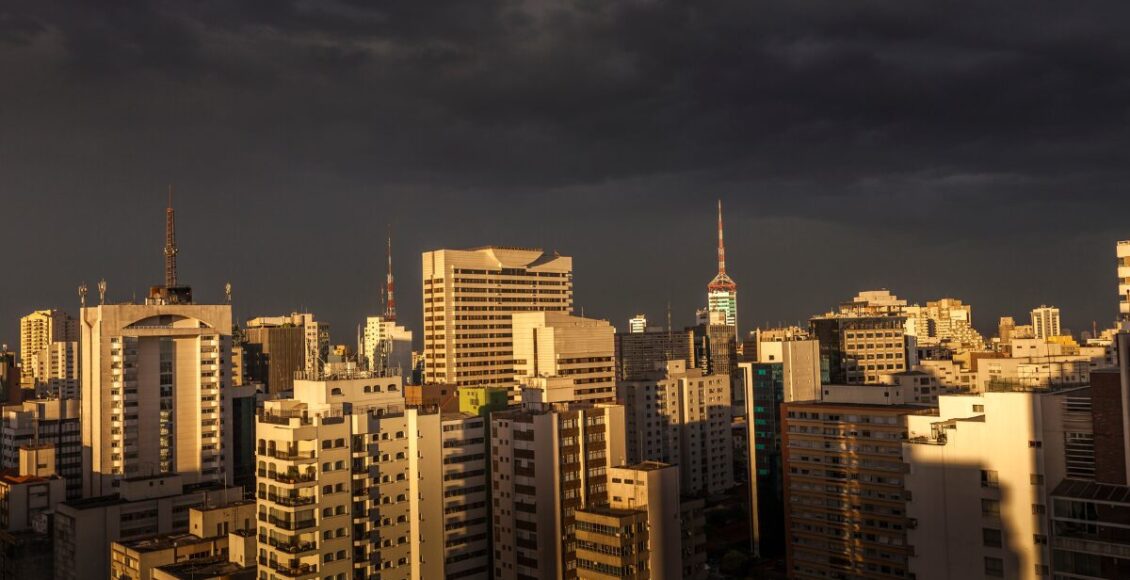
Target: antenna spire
390 284
170 244
721 244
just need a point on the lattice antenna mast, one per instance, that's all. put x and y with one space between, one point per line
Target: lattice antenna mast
390 285
721 244
170 244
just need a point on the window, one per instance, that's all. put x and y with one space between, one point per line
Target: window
991 537
994 567
1037 479
1038 508
990 507
978 408
989 478
1040 539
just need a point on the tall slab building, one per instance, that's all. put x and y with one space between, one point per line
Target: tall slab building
469 299
154 380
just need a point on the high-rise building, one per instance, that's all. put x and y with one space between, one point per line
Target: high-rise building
947 321
845 498
980 510
38 422
637 323
637 354
1122 250
682 416
548 462
568 357
315 339
59 364
653 488
273 354
10 391
30 491
722 292
351 481
469 299
156 386
1045 322
857 349
38 332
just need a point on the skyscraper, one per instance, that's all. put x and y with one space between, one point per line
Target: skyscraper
155 386
722 292
568 357
1045 322
469 298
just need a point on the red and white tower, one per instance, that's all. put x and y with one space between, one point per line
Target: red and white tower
722 292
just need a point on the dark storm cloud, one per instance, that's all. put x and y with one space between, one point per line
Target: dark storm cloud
961 147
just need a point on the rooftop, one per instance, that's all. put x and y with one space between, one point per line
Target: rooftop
215 567
162 542
647 466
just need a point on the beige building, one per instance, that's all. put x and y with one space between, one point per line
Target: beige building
653 488
568 357
1045 322
982 510
38 332
141 507
945 321
154 380
53 422
210 529
548 462
800 360
682 417
350 481
386 345
1122 250
469 299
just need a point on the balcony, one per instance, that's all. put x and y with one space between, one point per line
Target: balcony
291 525
290 477
290 547
293 570
286 454
288 500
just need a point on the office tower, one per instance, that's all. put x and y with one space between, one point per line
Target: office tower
30 491
351 481
141 507
722 292
845 500
682 416
637 323
548 461
281 336
715 345
790 371
213 533
864 339
981 509
38 331
156 382
39 422
569 358
469 298
1122 250
1045 322
637 354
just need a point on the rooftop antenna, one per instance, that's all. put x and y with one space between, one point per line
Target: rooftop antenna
170 244
390 284
82 294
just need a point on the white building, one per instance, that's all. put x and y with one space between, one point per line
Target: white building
1045 322
383 341
1123 252
38 332
637 323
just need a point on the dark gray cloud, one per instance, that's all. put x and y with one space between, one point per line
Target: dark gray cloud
966 148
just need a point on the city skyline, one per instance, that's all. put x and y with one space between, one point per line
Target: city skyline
790 296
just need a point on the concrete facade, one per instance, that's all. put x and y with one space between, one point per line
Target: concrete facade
568 357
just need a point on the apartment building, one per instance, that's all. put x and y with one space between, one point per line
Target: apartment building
1122 252
53 422
38 332
469 299
28 495
548 462
213 532
980 510
845 493
278 346
568 358
1045 322
682 417
141 507
466 496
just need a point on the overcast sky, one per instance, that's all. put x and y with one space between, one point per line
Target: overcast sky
969 149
